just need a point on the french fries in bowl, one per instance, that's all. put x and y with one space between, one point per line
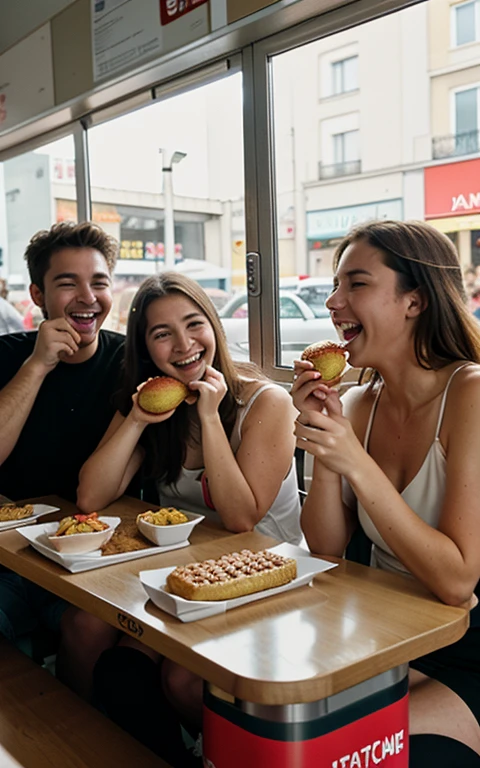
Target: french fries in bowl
168 525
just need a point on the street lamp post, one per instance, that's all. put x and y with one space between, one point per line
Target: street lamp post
168 160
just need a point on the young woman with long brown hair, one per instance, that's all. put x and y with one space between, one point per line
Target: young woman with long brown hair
400 454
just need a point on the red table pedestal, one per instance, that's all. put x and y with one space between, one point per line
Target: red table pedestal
362 727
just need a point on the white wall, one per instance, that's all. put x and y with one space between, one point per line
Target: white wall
20 17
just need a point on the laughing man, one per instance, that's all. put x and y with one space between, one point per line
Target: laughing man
56 388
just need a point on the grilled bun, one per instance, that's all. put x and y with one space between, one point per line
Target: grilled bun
329 358
162 394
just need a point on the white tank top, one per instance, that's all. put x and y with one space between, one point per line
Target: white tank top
282 520
424 494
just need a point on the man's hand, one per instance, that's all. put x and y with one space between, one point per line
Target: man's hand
56 341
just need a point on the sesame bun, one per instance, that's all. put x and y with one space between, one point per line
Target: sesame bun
329 358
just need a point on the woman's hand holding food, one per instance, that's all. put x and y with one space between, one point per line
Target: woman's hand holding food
211 390
144 418
329 437
308 391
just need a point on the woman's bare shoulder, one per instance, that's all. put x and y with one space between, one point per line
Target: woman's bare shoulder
464 390
268 403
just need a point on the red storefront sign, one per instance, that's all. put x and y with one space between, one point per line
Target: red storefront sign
173 9
452 189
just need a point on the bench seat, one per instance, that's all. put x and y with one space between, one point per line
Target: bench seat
45 725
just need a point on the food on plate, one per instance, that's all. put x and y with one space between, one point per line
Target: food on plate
126 538
162 394
80 524
232 575
329 358
163 516
12 512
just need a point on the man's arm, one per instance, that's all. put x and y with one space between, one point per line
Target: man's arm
56 340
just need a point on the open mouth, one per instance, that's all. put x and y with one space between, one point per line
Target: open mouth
349 331
189 360
83 321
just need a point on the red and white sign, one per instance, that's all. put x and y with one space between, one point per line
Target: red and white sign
379 739
452 189
173 9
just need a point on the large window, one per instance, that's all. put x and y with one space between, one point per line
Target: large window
343 161
344 75
167 181
466 121
465 23
346 147
33 189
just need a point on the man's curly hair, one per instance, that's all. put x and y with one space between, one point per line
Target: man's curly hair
67 235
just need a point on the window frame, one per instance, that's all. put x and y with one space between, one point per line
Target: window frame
453 23
453 103
341 63
264 326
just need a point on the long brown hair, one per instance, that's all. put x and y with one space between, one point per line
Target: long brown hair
425 259
166 443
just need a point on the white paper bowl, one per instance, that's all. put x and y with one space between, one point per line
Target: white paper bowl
165 535
80 543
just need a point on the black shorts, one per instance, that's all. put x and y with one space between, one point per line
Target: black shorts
458 667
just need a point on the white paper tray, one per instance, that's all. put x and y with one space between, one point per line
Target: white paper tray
193 610
37 538
38 511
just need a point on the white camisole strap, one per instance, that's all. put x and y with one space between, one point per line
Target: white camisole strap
444 398
371 418
245 410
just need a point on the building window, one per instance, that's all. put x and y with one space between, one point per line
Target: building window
344 75
466 121
345 147
465 23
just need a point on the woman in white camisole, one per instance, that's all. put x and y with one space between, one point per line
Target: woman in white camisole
400 455
227 452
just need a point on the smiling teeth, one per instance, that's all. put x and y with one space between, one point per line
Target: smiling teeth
84 315
347 326
189 360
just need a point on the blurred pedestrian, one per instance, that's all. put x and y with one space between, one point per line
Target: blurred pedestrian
11 320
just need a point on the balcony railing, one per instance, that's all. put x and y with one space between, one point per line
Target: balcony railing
339 169
459 144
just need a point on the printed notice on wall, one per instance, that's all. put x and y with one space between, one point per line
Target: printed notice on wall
25 90
128 32
125 33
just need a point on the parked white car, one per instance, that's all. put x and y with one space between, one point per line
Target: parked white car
315 291
299 326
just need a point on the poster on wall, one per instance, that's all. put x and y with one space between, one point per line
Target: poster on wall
126 33
26 91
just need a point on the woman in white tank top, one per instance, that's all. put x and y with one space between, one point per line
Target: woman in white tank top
401 454
226 452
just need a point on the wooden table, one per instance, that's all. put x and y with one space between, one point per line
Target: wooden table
300 648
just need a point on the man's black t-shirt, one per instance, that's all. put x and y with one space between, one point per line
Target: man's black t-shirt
71 413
